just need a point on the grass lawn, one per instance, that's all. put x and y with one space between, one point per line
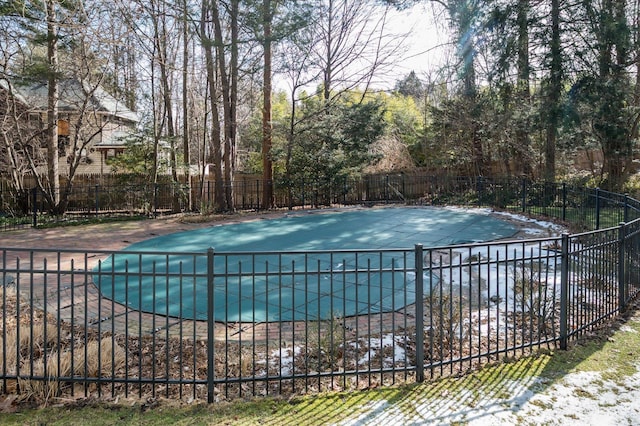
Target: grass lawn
611 355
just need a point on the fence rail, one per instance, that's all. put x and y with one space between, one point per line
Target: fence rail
271 323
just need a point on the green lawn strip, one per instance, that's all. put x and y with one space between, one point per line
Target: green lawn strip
612 355
615 356
304 411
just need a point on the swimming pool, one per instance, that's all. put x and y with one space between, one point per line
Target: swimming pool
312 265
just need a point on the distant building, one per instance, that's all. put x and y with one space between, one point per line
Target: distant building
88 116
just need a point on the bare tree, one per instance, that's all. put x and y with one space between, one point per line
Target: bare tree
296 61
21 137
161 37
52 107
270 22
354 44
186 151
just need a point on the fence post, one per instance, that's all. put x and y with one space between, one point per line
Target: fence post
419 267
626 208
404 189
524 195
564 201
564 292
34 194
366 188
386 189
622 296
208 193
155 200
97 199
211 370
597 208
345 189
258 194
315 192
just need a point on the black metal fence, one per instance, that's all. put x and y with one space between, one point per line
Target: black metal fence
589 208
96 323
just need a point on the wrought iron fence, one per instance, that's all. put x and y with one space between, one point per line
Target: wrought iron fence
584 207
272 323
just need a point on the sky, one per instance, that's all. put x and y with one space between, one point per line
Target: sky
426 42
424 46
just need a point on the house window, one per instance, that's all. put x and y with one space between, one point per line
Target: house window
81 156
111 153
63 128
63 144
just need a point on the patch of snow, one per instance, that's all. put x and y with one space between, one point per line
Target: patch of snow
371 410
583 398
368 356
579 398
554 228
376 345
625 328
499 266
283 359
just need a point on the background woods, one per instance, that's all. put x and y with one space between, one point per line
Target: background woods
299 91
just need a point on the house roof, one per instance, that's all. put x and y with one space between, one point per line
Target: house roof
6 86
73 94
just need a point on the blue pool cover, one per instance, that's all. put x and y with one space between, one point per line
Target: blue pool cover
253 284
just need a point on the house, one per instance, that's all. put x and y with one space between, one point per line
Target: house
90 121
13 123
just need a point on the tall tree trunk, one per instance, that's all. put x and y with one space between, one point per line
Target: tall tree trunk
636 92
328 70
464 11
611 122
215 148
156 131
131 78
229 119
186 153
161 41
290 140
554 88
233 102
524 92
267 163
52 106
